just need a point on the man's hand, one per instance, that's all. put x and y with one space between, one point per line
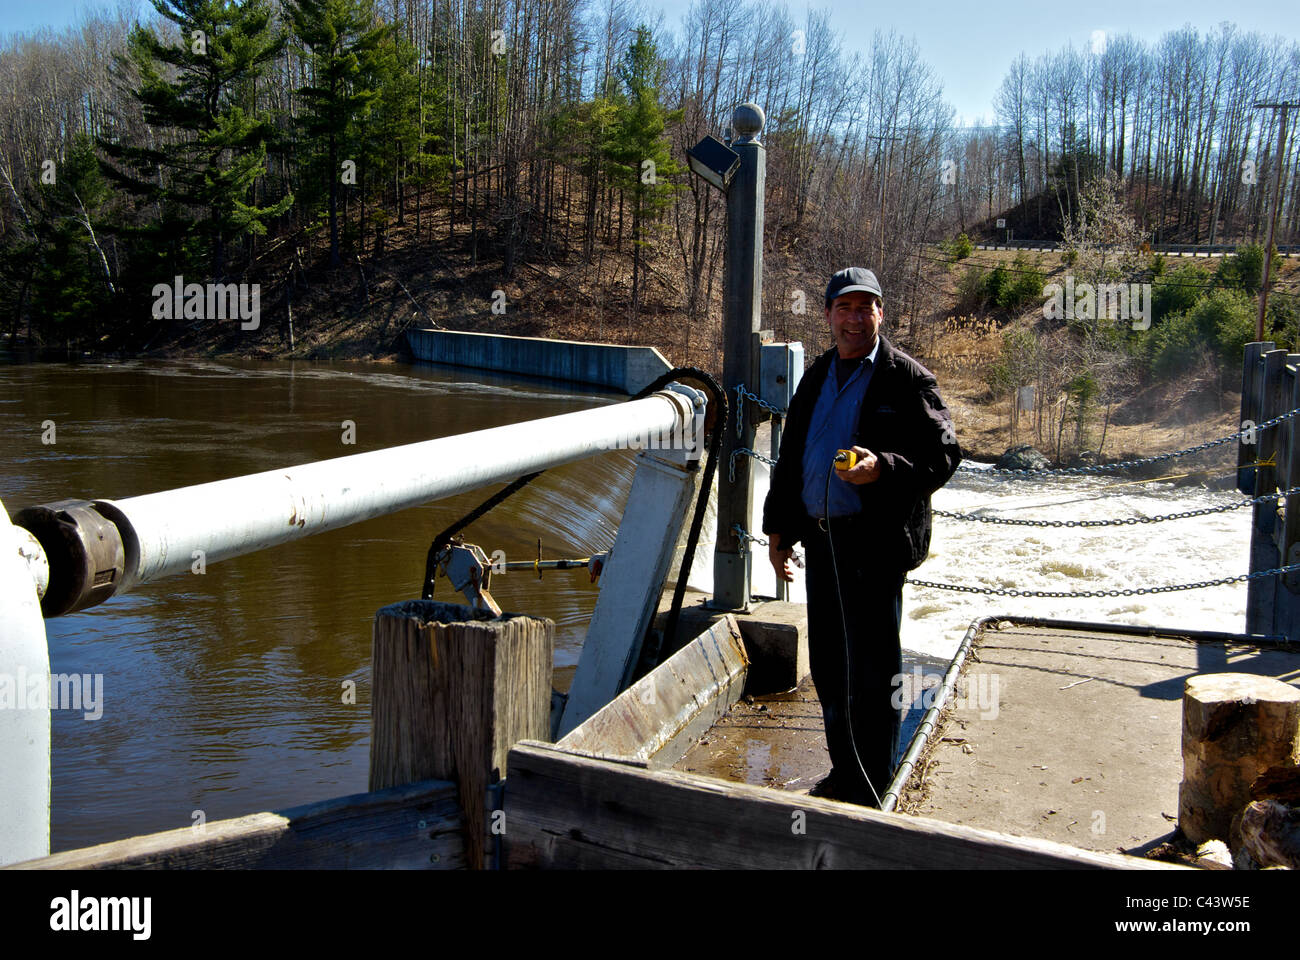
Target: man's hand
866 470
780 558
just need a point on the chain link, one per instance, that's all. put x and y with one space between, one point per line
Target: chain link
743 394
1126 521
1087 594
744 534
1105 467
731 469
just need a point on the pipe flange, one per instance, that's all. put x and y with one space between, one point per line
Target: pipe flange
84 550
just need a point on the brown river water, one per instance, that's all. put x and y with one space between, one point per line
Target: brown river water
224 693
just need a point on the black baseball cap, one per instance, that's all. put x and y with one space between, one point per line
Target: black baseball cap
852 280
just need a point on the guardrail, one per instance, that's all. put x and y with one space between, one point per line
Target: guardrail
1177 249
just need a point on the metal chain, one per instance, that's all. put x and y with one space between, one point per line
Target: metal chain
744 534
1104 467
743 394
731 470
1086 594
1126 521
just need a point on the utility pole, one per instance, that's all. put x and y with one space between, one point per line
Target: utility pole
1285 108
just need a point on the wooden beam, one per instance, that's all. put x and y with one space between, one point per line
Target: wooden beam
415 826
661 715
565 811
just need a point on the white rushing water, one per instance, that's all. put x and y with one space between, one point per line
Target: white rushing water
1072 560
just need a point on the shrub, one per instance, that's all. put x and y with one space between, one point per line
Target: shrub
1244 270
959 247
997 283
1024 288
1158 264
970 290
1221 324
1177 291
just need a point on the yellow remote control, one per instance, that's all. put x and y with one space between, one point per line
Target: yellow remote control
845 460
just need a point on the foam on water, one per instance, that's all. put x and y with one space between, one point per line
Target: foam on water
1068 560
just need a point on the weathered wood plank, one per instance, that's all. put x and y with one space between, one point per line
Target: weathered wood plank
1288 475
1264 553
452 693
413 826
1251 410
662 714
565 811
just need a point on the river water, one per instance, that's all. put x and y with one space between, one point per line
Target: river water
223 693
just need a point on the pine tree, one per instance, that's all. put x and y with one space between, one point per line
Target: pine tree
641 155
197 89
342 40
72 285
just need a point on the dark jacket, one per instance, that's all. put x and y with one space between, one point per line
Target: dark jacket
906 425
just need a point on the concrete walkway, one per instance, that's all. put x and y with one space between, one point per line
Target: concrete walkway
1082 742
1067 734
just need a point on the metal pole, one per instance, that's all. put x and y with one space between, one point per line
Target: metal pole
1272 217
166 533
741 315
782 588
25 726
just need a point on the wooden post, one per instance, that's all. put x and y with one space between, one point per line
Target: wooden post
1252 370
452 693
1235 726
1260 402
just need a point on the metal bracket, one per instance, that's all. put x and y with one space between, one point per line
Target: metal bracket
467 567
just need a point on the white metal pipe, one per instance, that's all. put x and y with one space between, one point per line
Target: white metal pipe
24 707
165 533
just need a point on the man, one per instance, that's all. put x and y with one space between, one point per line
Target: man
865 529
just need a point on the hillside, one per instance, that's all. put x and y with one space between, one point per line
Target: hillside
362 310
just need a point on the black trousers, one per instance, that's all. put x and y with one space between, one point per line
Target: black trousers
872 597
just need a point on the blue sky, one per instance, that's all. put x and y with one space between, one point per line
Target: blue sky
969 45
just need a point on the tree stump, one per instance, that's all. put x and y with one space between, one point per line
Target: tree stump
453 691
1235 726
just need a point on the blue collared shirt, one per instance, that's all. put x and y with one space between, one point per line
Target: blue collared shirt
833 425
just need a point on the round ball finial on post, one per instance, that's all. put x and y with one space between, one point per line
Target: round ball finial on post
747 121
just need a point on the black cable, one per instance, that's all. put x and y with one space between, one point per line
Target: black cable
844 625
444 538
706 484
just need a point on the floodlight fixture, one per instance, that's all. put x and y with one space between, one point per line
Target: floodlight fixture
713 161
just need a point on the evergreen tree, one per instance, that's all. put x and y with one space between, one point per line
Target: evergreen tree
588 127
198 89
72 283
641 155
342 39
